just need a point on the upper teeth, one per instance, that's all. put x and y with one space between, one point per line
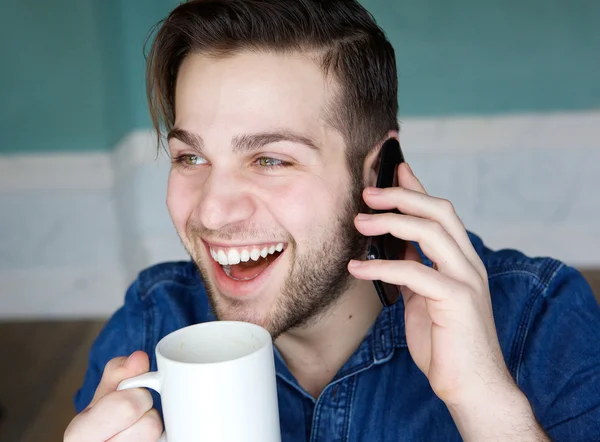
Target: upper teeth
235 256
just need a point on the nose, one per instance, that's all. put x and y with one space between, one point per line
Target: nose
225 201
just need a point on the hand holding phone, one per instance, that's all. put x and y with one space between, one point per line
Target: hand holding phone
387 246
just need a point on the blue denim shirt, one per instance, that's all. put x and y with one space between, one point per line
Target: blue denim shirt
548 324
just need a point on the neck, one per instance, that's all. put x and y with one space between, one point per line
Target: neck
315 353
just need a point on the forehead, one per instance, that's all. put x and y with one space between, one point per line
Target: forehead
251 91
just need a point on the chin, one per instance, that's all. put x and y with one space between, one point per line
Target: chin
228 309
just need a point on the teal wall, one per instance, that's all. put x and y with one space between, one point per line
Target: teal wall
50 83
72 74
474 56
124 26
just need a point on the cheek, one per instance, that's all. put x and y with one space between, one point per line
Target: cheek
180 200
303 208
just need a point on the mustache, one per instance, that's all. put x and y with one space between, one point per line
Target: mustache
236 233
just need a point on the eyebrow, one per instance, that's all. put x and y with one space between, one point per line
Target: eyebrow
190 139
244 143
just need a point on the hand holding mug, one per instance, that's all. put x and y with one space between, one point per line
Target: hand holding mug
118 416
217 383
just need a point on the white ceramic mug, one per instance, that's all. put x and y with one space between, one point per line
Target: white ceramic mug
217 383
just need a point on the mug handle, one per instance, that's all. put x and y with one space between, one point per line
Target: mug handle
149 380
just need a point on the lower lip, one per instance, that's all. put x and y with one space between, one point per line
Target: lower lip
239 289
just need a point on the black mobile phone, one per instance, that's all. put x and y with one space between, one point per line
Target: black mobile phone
387 246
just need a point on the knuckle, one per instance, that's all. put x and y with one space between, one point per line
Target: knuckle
112 370
470 293
412 266
129 410
153 424
446 206
435 227
114 364
130 405
389 217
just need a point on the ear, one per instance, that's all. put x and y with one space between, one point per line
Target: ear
371 164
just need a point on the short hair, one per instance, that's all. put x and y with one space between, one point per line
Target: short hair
340 35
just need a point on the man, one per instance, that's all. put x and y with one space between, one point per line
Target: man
275 112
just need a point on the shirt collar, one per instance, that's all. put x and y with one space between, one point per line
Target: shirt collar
383 338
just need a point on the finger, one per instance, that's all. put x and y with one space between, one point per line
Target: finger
410 254
112 414
417 322
408 180
435 241
147 429
118 369
446 294
454 225
410 274
417 203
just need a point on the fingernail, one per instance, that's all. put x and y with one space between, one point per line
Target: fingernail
363 217
355 263
127 360
374 190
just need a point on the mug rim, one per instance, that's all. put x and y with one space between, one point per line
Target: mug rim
268 341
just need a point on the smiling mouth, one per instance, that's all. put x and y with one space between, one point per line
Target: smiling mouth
246 263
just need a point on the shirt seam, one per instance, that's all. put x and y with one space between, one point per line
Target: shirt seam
544 281
149 278
314 431
147 299
145 295
292 384
349 409
149 327
539 272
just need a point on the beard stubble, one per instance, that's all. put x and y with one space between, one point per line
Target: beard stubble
317 278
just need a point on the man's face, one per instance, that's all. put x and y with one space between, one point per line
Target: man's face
261 195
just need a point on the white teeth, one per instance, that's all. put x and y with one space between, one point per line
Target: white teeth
222 258
233 257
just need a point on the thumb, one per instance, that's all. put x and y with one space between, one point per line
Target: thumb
119 369
408 180
411 254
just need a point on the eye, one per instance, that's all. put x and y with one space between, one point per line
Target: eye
193 160
269 162
190 160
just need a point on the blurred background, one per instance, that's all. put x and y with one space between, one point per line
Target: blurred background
500 113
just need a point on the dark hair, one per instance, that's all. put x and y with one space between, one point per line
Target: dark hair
341 35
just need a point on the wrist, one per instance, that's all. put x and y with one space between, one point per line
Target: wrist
496 413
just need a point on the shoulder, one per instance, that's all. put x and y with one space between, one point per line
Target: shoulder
171 292
519 282
507 262
533 297
163 298
181 273
548 323
516 277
